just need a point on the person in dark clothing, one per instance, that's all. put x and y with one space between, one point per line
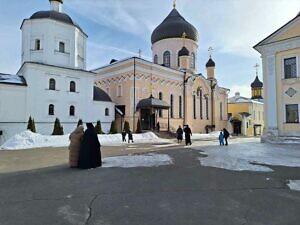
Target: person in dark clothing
226 135
130 137
187 135
179 134
124 136
158 127
90 154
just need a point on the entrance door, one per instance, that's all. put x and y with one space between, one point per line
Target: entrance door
145 117
237 127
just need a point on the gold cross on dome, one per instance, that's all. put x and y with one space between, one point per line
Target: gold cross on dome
184 35
210 50
256 66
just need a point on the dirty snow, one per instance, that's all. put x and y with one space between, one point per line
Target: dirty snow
148 160
245 156
27 139
294 185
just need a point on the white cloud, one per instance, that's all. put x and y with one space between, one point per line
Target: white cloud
245 90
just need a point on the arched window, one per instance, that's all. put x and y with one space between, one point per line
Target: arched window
72 110
206 101
172 106
180 107
51 110
51 84
201 103
72 86
192 62
155 60
61 47
160 97
107 112
37 45
221 111
167 59
178 60
194 106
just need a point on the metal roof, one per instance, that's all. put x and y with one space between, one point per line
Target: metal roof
152 102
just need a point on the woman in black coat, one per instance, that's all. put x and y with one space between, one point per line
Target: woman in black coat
90 154
179 134
226 135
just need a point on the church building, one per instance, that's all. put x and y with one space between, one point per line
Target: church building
53 81
169 89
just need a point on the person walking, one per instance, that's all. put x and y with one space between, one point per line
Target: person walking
179 134
130 136
158 127
221 138
187 135
90 153
123 136
226 135
74 146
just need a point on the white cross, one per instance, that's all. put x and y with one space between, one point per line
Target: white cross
210 50
256 66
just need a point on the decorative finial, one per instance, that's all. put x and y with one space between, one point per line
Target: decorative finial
174 4
210 50
184 35
256 66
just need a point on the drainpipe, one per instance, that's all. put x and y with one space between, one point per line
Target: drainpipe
133 94
184 98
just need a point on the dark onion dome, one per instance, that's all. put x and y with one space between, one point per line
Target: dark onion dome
54 15
210 63
61 1
173 26
184 52
257 83
100 95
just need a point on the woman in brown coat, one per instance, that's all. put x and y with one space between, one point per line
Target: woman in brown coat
74 147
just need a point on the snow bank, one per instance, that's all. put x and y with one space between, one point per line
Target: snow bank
148 160
242 156
294 185
27 139
210 136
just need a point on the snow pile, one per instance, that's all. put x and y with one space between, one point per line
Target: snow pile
242 156
148 160
27 139
210 136
294 185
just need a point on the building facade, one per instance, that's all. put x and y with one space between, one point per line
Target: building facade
52 81
280 53
168 90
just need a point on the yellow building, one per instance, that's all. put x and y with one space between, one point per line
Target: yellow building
280 53
245 115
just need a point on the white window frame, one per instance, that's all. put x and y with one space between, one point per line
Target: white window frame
282 66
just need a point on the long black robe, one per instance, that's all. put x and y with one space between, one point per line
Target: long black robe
179 133
90 154
187 135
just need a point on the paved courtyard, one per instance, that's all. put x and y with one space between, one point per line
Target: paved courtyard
182 193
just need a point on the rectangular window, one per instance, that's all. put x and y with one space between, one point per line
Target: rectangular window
206 100
201 109
292 113
290 68
61 47
37 44
119 91
180 107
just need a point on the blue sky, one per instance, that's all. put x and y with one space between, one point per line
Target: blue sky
119 28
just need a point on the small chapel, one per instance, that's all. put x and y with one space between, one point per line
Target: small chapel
168 90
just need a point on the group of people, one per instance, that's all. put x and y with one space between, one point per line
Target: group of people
84 147
224 135
130 136
187 134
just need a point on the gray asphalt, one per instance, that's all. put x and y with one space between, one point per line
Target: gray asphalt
181 194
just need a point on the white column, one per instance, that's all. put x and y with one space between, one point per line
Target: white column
271 96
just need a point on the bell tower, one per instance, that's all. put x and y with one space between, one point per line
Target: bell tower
257 86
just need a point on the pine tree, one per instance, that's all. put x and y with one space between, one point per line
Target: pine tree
58 129
138 127
98 128
79 122
113 128
31 125
126 126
